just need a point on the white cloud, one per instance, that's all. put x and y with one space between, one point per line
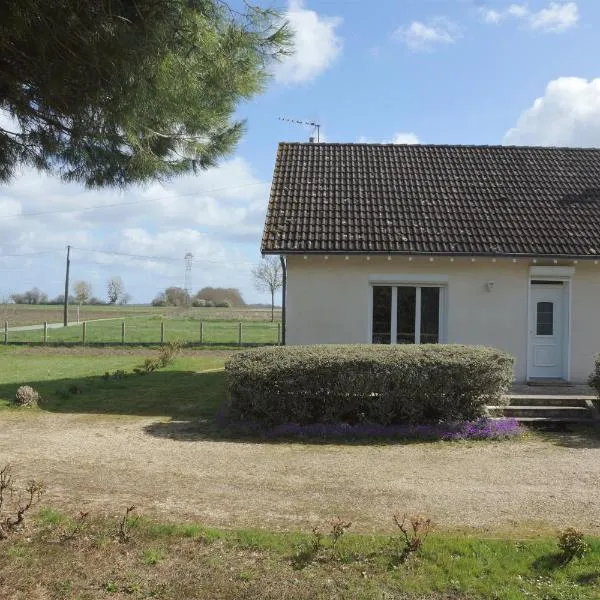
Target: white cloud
316 45
398 138
405 138
568 114
555 18
518 10
491 16
218 216
421 36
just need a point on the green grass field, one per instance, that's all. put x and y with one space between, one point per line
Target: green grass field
53 373
146 329
22 314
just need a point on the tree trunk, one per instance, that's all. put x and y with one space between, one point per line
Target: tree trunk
272 306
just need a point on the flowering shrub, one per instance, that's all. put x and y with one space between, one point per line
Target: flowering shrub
356 384
482 429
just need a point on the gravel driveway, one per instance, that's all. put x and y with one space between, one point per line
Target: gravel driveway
103 464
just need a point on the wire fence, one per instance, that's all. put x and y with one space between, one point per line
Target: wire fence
150 331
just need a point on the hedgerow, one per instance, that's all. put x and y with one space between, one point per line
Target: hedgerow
594 379
366 383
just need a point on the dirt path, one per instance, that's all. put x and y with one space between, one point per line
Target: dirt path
104 464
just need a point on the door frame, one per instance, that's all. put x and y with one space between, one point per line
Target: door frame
562 275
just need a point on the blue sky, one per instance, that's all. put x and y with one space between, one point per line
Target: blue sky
416 71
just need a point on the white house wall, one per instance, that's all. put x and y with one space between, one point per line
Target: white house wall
328 301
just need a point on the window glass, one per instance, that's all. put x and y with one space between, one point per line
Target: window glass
382 315
407 301
545 318
430 315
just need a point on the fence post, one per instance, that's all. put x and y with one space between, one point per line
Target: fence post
122 333
83 332
162 332
240 334
45 331
279 333
201 332
6 332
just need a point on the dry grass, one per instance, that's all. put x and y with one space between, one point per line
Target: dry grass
61 559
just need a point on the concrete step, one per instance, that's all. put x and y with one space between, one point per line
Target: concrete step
542 420
547 400
541 412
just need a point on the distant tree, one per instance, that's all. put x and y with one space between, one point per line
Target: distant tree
82 291
124 298
213 296
177 296
32 296
96 301
115 93
114 289
268 277
60 299
160 300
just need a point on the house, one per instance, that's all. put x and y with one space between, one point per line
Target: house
413 244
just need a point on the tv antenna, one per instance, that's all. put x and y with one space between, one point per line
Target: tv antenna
188 258
316 126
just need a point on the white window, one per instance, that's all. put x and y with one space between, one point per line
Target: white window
407 314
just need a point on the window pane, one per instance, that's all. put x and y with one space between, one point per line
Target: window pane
545 318
430 315
407 302
382 315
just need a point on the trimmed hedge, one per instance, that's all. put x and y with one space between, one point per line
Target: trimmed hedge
366 383
594 379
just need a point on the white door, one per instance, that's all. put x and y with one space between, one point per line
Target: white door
547 331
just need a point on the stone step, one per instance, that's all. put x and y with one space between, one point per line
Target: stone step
530 400
545 412
542 420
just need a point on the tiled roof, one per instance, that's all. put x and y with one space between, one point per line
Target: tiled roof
423 199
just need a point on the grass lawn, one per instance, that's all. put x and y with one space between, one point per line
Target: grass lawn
71 380
54 558
186 481
147 329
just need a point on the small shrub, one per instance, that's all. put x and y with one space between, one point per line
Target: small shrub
353 384
414 532
168 352
338 529
115 375
14 506
223 304
199 302
149 365
26 396
594 379
572 545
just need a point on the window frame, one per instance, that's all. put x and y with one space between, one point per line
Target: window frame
442 321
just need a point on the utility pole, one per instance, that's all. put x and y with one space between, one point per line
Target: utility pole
66 310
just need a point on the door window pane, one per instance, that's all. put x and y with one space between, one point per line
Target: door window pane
407 302
430 315
545 318
382 315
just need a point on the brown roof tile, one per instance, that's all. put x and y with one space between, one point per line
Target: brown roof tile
423 199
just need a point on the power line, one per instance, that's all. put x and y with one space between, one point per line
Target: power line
31 253
158 258
133 202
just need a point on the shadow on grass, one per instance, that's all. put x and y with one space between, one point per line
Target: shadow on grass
570 435
175 394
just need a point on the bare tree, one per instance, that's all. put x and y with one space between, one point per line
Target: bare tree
114 289
82 291
268 277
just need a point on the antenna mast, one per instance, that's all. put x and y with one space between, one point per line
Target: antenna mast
188 258
316 126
